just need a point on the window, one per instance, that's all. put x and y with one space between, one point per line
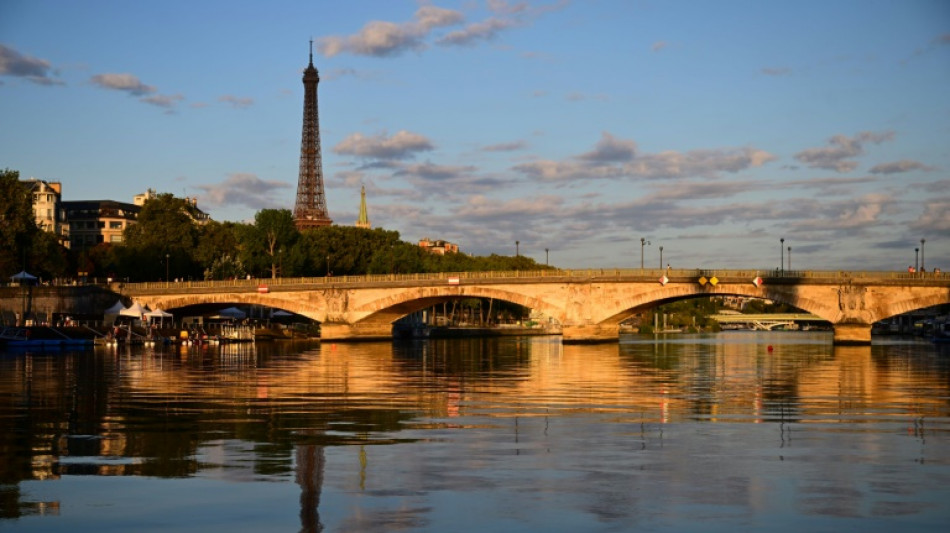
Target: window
115 224
115 238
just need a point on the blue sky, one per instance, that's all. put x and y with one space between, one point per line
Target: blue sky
712 129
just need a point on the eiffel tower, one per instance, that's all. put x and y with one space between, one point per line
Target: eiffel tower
310 211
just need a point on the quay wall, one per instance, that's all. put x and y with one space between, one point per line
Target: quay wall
83 302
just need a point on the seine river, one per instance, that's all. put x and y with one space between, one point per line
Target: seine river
739 430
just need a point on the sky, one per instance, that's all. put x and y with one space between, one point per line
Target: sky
574 128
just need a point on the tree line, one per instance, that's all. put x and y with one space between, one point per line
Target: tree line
170 241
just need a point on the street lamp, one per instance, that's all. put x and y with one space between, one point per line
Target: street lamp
922 241
328 265
661 257
517 252
789 257
166 269
916 259
643 242
545 257
781 250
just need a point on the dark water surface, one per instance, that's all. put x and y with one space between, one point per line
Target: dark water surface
776 431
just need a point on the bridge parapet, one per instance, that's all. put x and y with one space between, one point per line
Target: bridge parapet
549 275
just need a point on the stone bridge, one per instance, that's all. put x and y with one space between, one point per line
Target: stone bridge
588 304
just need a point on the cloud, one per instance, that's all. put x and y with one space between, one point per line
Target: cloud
618 158
896 167
431 172
936 217
610 150
853 214
34 70
167 101
506 147
382 39
243 189
658 45
773 71
236 102
480 31
122 82
402 145
838 156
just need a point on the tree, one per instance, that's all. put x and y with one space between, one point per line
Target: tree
17 223
276 228
163 240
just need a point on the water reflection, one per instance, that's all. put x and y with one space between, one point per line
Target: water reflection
605 430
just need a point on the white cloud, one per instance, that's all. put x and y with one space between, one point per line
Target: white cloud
243 189
381 38
35 70
838 156
896 167
402 145
123 82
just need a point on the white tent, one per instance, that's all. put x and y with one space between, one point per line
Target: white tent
117 308
135 310
159 314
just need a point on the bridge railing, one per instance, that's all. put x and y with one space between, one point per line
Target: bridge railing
526 276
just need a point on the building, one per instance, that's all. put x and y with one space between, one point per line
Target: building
93 222
438 247
47 207
310 210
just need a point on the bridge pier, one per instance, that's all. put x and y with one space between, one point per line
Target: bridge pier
589 334
330 331
852 334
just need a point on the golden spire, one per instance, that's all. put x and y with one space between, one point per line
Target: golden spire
363 220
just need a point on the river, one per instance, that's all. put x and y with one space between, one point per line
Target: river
738 430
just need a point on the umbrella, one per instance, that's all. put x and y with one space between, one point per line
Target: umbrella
22 276
232 312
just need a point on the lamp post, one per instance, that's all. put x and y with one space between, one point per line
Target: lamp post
661 257
643 242
781 251
790 258
916 259
545 257
167 256
517 251
922 241
328 265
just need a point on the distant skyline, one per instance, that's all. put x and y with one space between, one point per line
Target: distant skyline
713 129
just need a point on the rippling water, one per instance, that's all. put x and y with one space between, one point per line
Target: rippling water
738 430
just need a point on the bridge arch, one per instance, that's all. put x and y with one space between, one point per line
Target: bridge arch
393 306
625 307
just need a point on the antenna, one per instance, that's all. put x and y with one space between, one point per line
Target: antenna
311 50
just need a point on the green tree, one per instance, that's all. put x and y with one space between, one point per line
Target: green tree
277 231
163 240
17 223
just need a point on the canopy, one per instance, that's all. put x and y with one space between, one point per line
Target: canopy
22 276
117 308
232 312
158 314
135 310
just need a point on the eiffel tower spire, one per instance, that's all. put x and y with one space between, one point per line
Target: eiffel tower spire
310 211
363 220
